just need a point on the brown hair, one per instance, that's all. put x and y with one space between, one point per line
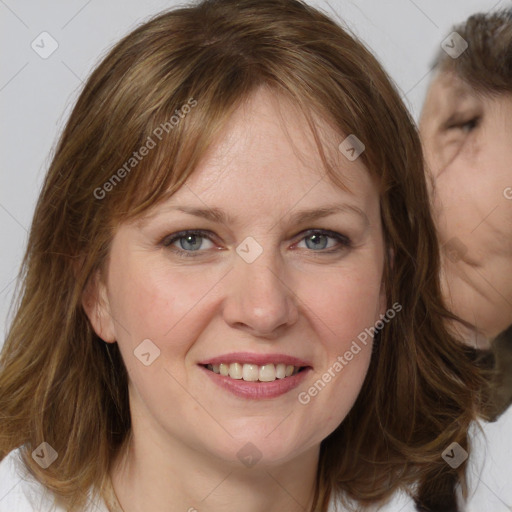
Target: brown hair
61 384
486 64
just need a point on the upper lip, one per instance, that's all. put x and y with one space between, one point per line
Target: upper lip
259 359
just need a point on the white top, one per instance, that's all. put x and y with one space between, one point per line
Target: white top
20 492
489 478
490 473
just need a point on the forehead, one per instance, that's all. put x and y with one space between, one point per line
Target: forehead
266 162
446 90
267 143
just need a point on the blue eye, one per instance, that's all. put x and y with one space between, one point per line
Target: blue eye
319 236
190 242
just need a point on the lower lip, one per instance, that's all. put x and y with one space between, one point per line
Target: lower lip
257 390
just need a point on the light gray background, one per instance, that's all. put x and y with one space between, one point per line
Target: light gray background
36 94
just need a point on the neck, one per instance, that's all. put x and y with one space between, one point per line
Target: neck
156 470
467 292
470 336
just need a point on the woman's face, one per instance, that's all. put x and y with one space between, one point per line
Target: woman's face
258 290
466 138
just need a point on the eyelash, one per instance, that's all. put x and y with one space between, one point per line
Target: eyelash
167 242
461 125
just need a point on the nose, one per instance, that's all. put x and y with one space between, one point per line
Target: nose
258 298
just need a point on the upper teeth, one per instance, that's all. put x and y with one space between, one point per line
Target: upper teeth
253 372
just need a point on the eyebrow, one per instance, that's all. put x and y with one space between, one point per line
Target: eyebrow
299 217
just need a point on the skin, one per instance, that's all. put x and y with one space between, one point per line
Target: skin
466 137
294 299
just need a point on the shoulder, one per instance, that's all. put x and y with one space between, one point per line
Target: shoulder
400 501
21 492
489 471
490 465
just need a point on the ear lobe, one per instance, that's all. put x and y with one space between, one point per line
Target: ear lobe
97 308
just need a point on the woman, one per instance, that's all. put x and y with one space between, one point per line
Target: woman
202 348
465 127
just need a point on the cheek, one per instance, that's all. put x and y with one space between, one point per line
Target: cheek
470 194
173 307
157 302
343 304
333 389
350 304
349 314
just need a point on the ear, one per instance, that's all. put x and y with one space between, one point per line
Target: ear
97 308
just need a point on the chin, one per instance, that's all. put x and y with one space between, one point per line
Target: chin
262 449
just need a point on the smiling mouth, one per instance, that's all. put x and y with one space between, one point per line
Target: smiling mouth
255 373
